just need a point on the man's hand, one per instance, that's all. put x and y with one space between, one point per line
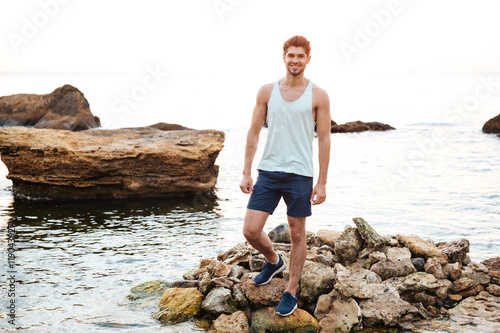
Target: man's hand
318 194
246 184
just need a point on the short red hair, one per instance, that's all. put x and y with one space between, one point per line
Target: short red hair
297 41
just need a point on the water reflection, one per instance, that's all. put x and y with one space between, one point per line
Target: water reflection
92 212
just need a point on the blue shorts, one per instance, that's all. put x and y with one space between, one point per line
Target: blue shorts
270 186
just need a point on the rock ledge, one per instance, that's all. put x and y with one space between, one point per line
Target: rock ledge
106 164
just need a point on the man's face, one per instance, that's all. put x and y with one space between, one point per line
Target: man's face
296 60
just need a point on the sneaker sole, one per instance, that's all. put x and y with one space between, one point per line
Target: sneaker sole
269 280
287 314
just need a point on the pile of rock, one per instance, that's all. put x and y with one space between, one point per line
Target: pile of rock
351 279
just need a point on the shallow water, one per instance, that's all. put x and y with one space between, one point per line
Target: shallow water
76 262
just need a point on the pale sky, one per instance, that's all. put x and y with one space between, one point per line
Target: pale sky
243 36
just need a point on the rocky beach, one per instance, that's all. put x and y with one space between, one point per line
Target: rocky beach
352 280
123 133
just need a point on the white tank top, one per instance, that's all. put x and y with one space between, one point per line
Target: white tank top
290 134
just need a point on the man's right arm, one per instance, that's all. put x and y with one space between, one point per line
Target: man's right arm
258 117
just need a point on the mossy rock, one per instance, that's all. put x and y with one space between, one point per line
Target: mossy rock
178 304
265 320
148 289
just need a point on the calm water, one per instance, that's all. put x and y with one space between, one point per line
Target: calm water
436 176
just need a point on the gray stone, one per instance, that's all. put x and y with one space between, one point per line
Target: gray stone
280 234
218 301
236 271
355 282
432 266
348 245
204 285
366 252
221 282
336 313
316 279
398 253
328 237
480 278
391 268
236 322
257 263
415 282
191 275
443 289
322 259
478 267
220 269
377 256
385 307
418 263
424 298
456 251
452 271
239 297
494 289
240 253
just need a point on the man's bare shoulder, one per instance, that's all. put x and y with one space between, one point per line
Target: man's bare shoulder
320 94
266 88
319 91
265 91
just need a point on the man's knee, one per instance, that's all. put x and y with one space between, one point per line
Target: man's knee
250 233
297 236
254 224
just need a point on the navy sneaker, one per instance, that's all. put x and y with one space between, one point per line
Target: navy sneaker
287 305
269 271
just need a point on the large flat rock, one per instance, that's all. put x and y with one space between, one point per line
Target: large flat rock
101 164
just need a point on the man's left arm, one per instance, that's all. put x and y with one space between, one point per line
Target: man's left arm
323 128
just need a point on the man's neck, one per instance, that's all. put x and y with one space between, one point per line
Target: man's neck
295 80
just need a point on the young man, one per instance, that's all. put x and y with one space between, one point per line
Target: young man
292 106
